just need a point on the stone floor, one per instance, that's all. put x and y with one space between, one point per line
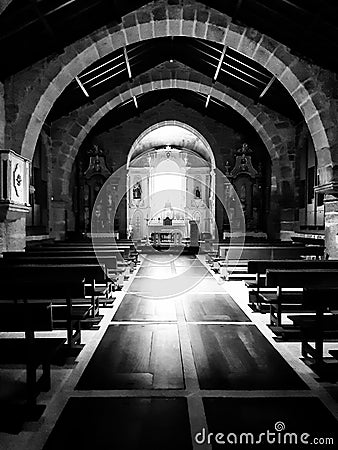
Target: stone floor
179 349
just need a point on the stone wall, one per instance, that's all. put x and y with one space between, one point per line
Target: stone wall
32 93
2 117
223 140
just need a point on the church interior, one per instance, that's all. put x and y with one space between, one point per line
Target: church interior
168 224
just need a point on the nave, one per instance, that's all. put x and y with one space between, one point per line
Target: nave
161 371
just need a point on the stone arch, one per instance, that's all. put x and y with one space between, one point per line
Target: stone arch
259 120
4 4
160 20
203 156
210 154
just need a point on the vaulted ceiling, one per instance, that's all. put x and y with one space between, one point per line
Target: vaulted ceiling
35 29
228 67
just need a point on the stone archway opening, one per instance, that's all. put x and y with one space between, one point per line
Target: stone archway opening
170 183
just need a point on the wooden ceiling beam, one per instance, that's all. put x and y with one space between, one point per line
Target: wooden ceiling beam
83 89
267 87
43 20
220 62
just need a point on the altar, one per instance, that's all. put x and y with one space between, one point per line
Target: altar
167 232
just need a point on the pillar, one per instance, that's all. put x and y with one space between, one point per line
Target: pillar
331 225
59 218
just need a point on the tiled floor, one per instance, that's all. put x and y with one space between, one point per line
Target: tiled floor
180 352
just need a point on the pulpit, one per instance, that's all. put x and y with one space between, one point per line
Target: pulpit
14 200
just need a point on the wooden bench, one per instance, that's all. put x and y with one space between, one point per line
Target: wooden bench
308 240
127 251
106 262
76 282
321 326
300 278
229 264
127 265
258 269
31 351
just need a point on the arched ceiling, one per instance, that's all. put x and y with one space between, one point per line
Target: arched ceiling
222 64
174 135
218 111
33 29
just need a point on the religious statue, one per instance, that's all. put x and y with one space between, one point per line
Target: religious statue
137 191
130 231
197 192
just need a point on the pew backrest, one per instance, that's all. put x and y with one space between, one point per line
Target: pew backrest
302 278
108 261
26 317
260 266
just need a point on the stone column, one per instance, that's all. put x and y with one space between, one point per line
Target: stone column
59 212
331 225
2 117
273 208
287 198
14 200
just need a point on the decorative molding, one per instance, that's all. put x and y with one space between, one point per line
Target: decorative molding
243 163
97 163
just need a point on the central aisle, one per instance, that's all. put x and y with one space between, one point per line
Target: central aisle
181 357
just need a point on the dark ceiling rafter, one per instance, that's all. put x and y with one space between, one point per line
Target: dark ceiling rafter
24 41
237 8
35 19
126 58
231 69
218 68
42 19
267 87
84 90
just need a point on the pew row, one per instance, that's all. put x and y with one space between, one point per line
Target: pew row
232 258
258 268
301 278
115 272
319 327
31 351
71 288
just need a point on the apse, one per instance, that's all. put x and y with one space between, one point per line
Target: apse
170 177
167 190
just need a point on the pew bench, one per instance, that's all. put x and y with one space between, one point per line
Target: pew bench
31 351
258 268
63 285
305 240
97 283
319 327
297 278
235 264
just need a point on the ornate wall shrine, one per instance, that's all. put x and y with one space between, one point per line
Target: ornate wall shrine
251 186
91 180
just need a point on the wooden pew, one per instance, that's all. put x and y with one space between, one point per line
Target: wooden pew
31 351
300 278
264 253
127 250
258 268
80 279
308 240
320 327
115 274
58 251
